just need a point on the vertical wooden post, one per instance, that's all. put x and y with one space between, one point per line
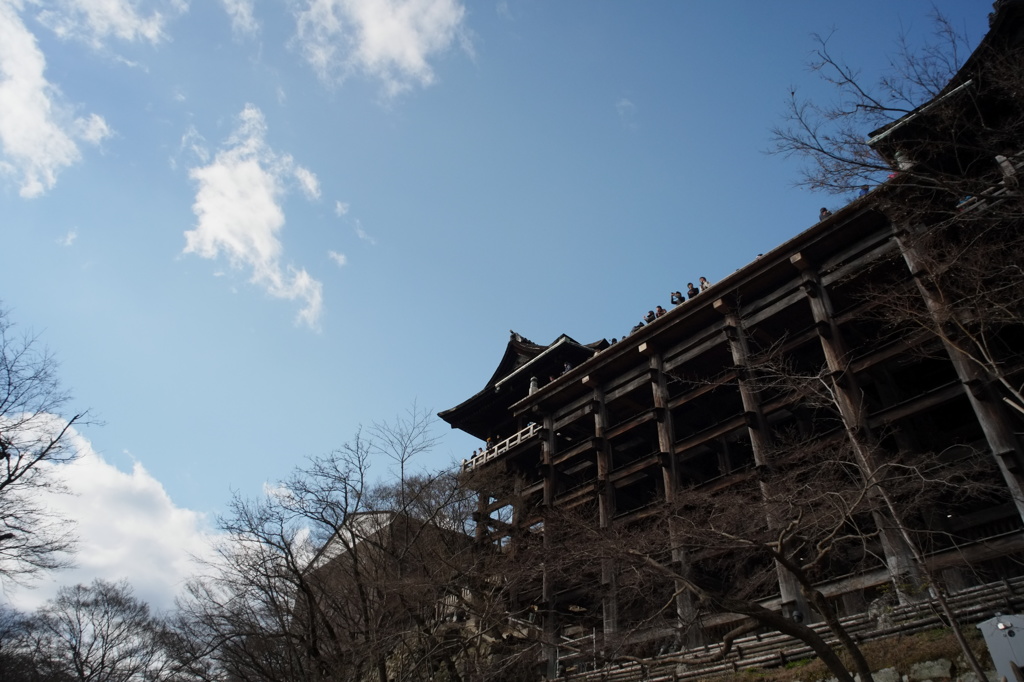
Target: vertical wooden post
480 532
686 613
792 598
605 512
987 409
516 529
849 400
550 647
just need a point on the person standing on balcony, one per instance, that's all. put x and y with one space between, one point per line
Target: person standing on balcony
659 311
649 317
691 290
704 284
677 297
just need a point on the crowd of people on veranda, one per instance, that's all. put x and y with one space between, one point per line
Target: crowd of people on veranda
677 299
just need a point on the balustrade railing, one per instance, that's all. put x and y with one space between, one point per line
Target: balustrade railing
501 447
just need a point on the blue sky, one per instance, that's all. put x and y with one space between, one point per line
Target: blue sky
246 228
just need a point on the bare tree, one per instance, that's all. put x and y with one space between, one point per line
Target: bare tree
842 139
95 633
941 134
334 576
33 437
826 512
17 659
902 489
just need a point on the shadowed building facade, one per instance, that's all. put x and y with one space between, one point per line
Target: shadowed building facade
623 429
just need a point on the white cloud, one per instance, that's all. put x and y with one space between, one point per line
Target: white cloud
340 208
307 180
69 238
95 21
243 21
389 40
361 233
239 213
128 527
93 129
37 130
338 258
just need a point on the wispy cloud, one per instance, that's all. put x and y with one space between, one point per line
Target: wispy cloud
239 214
92 129
243 19
69 238
38 131
362 234
128 527
388 40
340 208
627 113
95 21
338 258
307 180
193 142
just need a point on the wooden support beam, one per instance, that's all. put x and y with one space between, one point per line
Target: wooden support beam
990 415
757 429
709 434
605 512
563 418
849 399
613 394
702 389
585 491
693 347
573 452
916 405
549 649
646 462
636 420
831 274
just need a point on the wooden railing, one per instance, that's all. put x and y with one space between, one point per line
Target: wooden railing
502 447
773 649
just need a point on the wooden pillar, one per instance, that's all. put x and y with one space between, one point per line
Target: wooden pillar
482 500
793 600
987 408
518 511
550 647
849 400
689 633
757 426
605 514
517 501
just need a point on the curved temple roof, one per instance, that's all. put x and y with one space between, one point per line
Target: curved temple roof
510 382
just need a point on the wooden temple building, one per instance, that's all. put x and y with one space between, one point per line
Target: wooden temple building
623 427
